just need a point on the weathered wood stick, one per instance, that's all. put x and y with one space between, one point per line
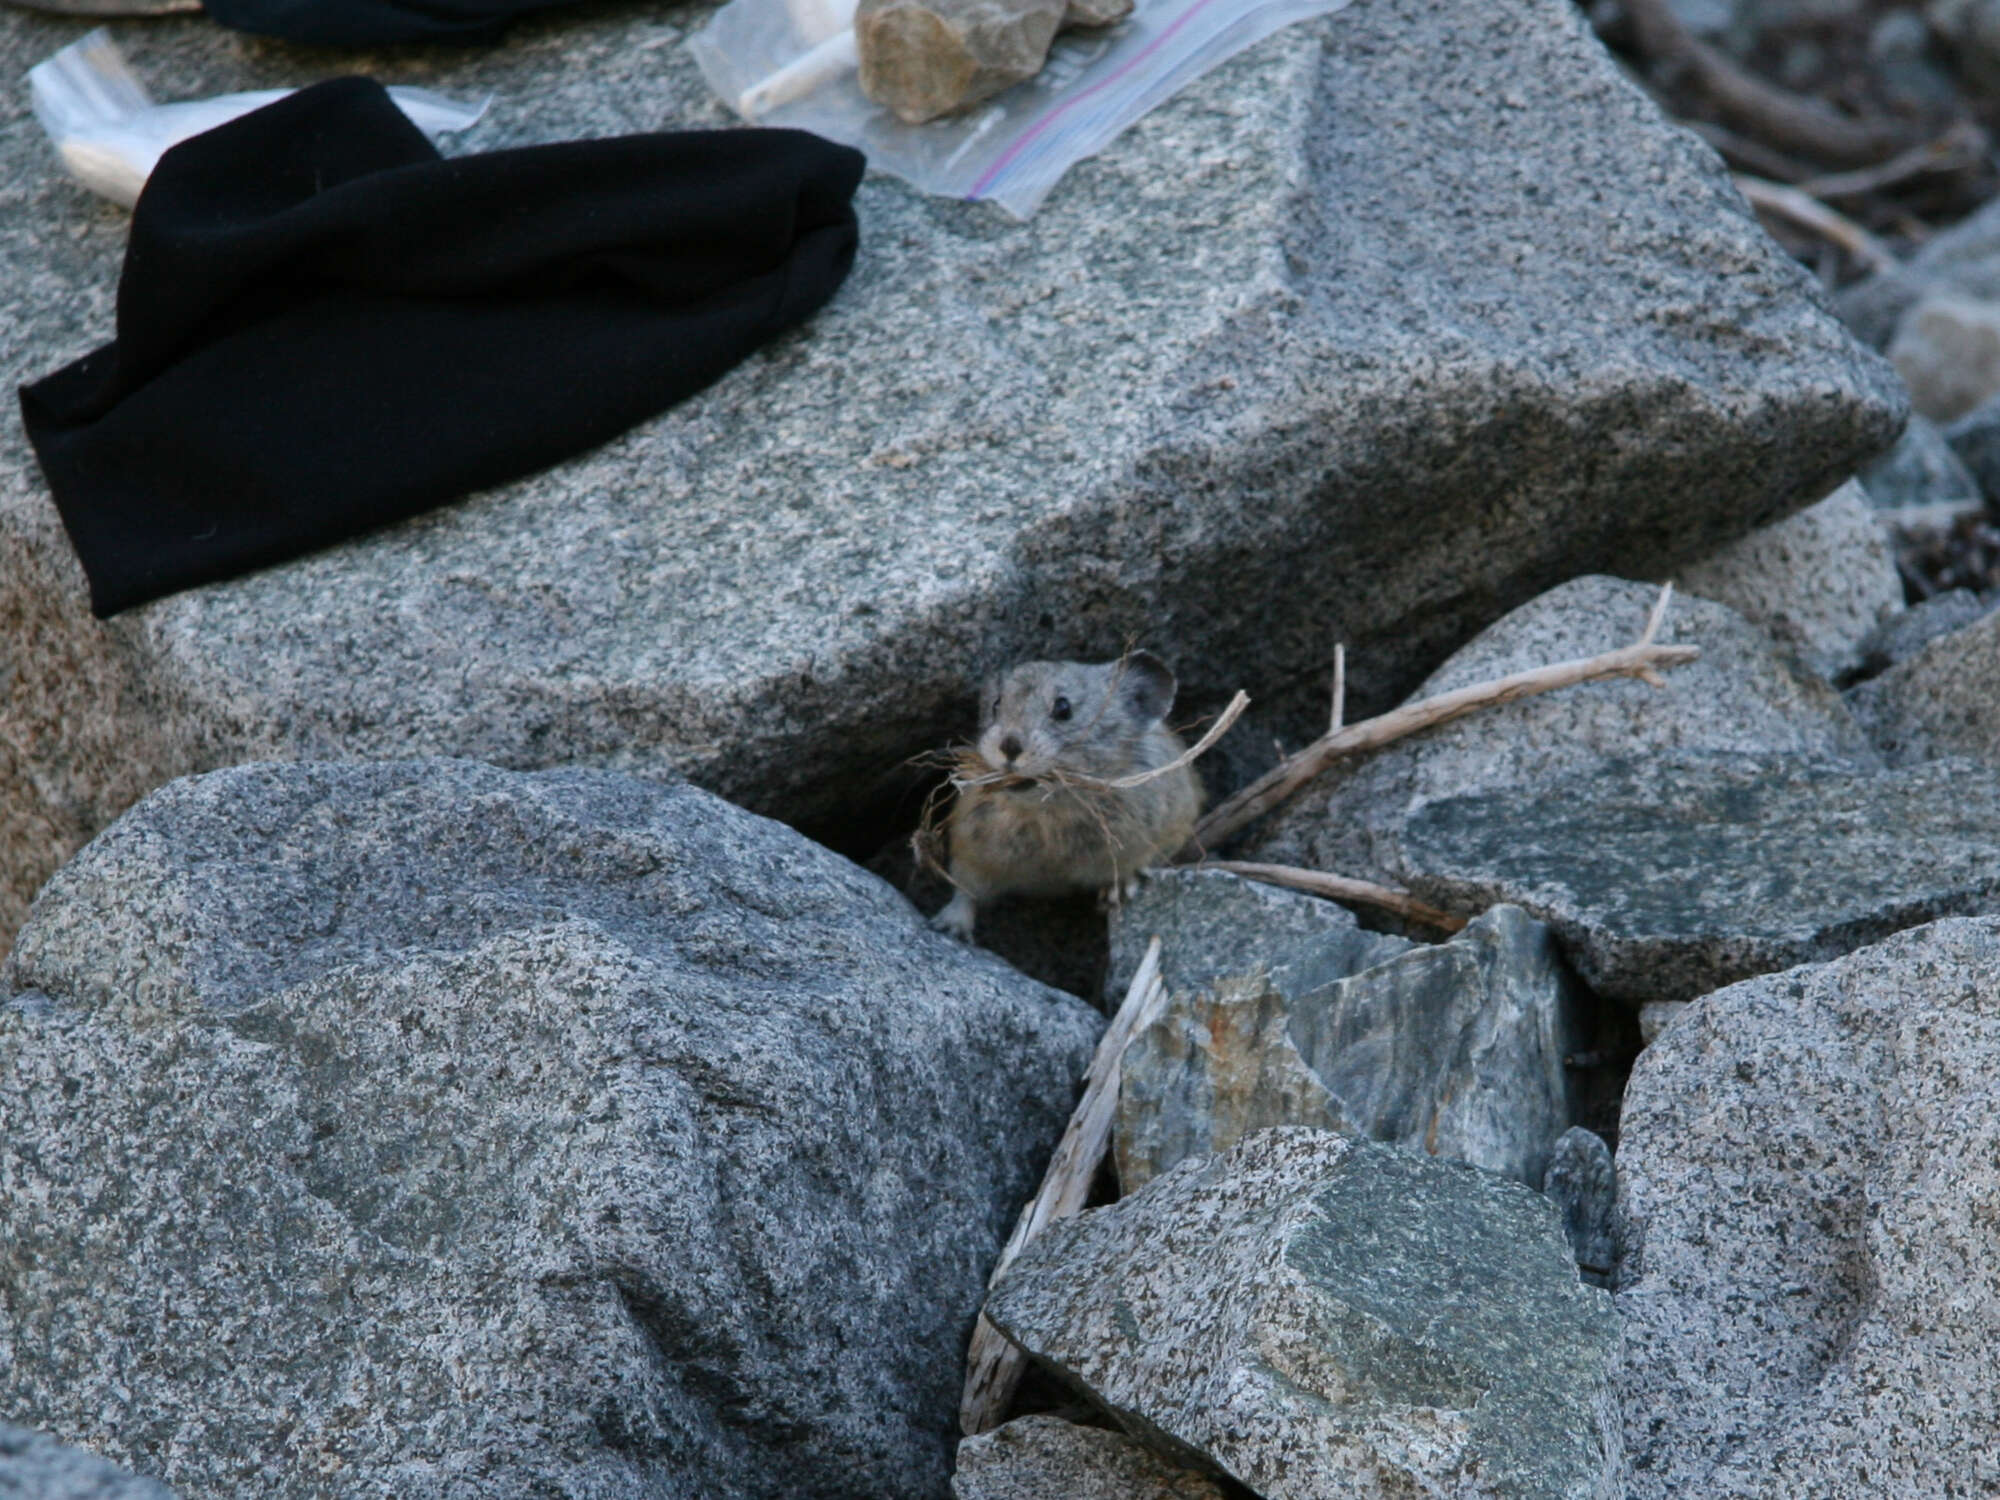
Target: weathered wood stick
1643 660
1799 206
1341 888
993 1365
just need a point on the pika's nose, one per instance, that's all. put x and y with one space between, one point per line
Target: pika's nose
1010 746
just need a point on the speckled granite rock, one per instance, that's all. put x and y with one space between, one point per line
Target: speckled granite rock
1900 638
1974 440
1333 403
34 1466
1321 1316
1669 878
1212 924
1582 1182
1742 694
1807 1170
1454 1048
1046 1458
1819 582
475 1134
1943 700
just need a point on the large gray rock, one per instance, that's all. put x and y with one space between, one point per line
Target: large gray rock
1320 1316
1906 634
1237 392
1974 440
1046 1458
1457 1049
34 1466
1943 700
1807 1173
1669 878
1212 924
1820 582
461 1132
1743 694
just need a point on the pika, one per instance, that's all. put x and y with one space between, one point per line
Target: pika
1040 813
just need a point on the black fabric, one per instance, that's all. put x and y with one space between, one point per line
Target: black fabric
367 23
323 327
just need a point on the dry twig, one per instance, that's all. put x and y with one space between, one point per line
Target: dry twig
1782 119
1799 206
1342 888
993 1365
1964 145
1642 659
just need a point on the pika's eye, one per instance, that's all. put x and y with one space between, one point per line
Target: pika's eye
1060 710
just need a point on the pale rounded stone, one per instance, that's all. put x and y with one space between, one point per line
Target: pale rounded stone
1947 349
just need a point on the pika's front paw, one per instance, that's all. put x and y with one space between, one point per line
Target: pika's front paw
957 917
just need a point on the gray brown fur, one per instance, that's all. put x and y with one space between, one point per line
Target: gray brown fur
1053 827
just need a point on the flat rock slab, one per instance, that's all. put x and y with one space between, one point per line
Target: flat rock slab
1453 1048
1667 879
1743 694
1237 392
1046 1458
1323 1316
1807 1176
459 1132
34 1466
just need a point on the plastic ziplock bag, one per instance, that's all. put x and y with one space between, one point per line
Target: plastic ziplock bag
110 134
1012 148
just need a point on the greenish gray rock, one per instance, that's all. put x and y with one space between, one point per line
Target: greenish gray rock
1669 878
430 1130
1582 1182
1743 694
1943 700
1819 583
1456 1049
925 58
1212 924
1318 1315
1922 469
1565 344
1807 1171
34 1466
1046 1458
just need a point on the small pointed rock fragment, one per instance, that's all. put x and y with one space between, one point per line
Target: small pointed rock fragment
925 58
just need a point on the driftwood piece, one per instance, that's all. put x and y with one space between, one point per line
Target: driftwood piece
1342 888
1775 116
994 1365
1799 206
1643 660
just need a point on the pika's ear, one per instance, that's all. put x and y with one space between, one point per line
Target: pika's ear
1147 685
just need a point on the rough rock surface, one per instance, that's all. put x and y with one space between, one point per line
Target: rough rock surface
463 1132
925 58
1046 1458
1922 469
1943 700
1455 1048
1319 1316
1807 1172
1947 349
1742 694
1819 582
1565 344
34 1466
1212 924
1963 261
1669 878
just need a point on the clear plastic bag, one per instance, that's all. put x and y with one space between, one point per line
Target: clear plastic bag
791 62
110 134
